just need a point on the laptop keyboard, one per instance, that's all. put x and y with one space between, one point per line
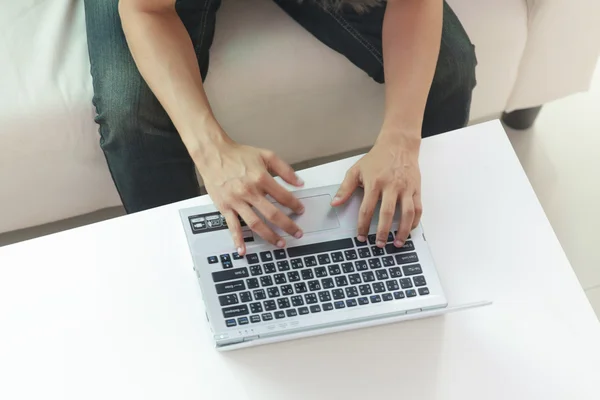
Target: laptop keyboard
316 278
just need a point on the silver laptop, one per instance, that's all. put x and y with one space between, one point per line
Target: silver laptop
327 281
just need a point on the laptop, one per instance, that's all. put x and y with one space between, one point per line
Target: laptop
325 282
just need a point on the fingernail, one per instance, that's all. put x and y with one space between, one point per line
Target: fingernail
280 243
398 243
240 251
299 181
298 234
380 243
301 211
362 238
336 199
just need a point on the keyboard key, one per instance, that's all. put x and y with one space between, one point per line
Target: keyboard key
279 314
419 281
365 290
390 248
392 285
398 295
297 301
327 307
313 286
396 272
283 265
347 267
361 265
255 318
339 304
412 270
382 274
228 300
341 281
411 293
320 272
334 269
351 303
287 290
364 252
359 243
350 254
375 298
311 298
259 294
351 291
245 297
323 259
303 310
368 276
273 292
266 281
377 251
243 321
423 291
409 258
267 316
225 258
387 297
374 263
388 261
279 279
297 263
337 256
354 279
293 276
324 296
378 287
236 256
222 276
270 305
256 270
252 258
269 268
327 283
390 237
212 259
310 261
230 287
235 311
372 238
291 312
315 309
256 308
266 256
338 294
300 287
307 274
406 283
230 323
227 264
363 300
280 254
252 283
322 247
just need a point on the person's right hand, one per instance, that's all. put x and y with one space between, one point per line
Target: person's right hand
237 178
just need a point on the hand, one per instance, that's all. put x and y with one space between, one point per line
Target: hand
237 178
389 171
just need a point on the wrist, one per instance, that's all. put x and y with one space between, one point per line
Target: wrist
407 139
205 137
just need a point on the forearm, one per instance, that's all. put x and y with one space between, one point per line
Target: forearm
412 31
164 54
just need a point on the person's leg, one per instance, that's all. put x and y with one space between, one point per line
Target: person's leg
146 157
358 37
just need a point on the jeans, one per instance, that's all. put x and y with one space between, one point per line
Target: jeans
146 157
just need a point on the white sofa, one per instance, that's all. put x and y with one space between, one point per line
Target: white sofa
269 79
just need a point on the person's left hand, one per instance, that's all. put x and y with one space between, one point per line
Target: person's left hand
389 171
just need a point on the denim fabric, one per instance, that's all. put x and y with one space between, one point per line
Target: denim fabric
147 159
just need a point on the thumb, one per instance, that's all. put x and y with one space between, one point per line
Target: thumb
346 188
281 168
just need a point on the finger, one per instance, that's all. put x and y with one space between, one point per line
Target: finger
347 187
236 231
277 217
418 209
365 214
406 220
283 196
281 168
386 216
258 226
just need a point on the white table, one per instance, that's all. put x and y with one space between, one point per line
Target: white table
112 310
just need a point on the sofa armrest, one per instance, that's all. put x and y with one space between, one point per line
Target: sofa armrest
561 52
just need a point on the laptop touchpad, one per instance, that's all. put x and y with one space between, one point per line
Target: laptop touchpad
318 215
